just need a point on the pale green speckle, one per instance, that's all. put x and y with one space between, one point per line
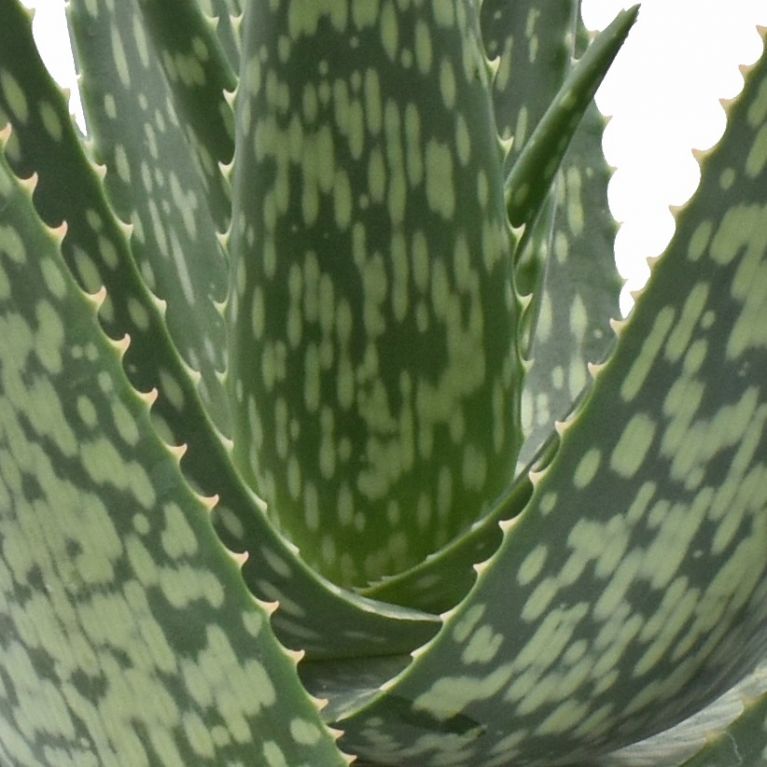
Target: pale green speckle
304 732
643 362
757 156
532 565
272 752
633 445
587 468
14 94
440 191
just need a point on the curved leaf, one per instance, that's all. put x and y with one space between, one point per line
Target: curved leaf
97 250
630 591
128 636
373 351
153 95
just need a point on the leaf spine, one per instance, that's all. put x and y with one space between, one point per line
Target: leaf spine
238 557
594 368
493 65
617 326
210 502
149 397
507 524
268 607
99 169
59 232
178 451
97 299
506 144
29 184
121 344
535 477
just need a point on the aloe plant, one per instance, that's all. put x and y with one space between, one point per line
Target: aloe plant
318 440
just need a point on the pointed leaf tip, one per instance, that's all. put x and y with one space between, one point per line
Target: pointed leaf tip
531 176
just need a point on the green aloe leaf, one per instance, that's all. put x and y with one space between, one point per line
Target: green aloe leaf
698 736
153 77
97 250
534 169
342 497
616 600
128 636
579 294
744 742
374 364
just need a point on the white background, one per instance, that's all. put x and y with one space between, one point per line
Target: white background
663 95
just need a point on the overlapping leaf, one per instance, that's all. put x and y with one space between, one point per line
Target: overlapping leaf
616 603
374 362
128 636
629 592
97 250
152 78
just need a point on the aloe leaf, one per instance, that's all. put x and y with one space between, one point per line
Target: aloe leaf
580 288
97 251
697 736
153 94
533 171
444 578
373 357
128 636
633 588
580 292
566 265
744 742
529 43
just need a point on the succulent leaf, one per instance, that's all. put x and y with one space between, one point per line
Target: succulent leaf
374 364
121 611
97 251
629 578
570 326
153 94
533 170
325 507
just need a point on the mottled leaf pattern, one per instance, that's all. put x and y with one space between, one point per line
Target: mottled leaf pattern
373 355
97 251
322 193
616 601
128 637
580 289
155 107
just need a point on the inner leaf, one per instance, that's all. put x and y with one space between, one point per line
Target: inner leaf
374 364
